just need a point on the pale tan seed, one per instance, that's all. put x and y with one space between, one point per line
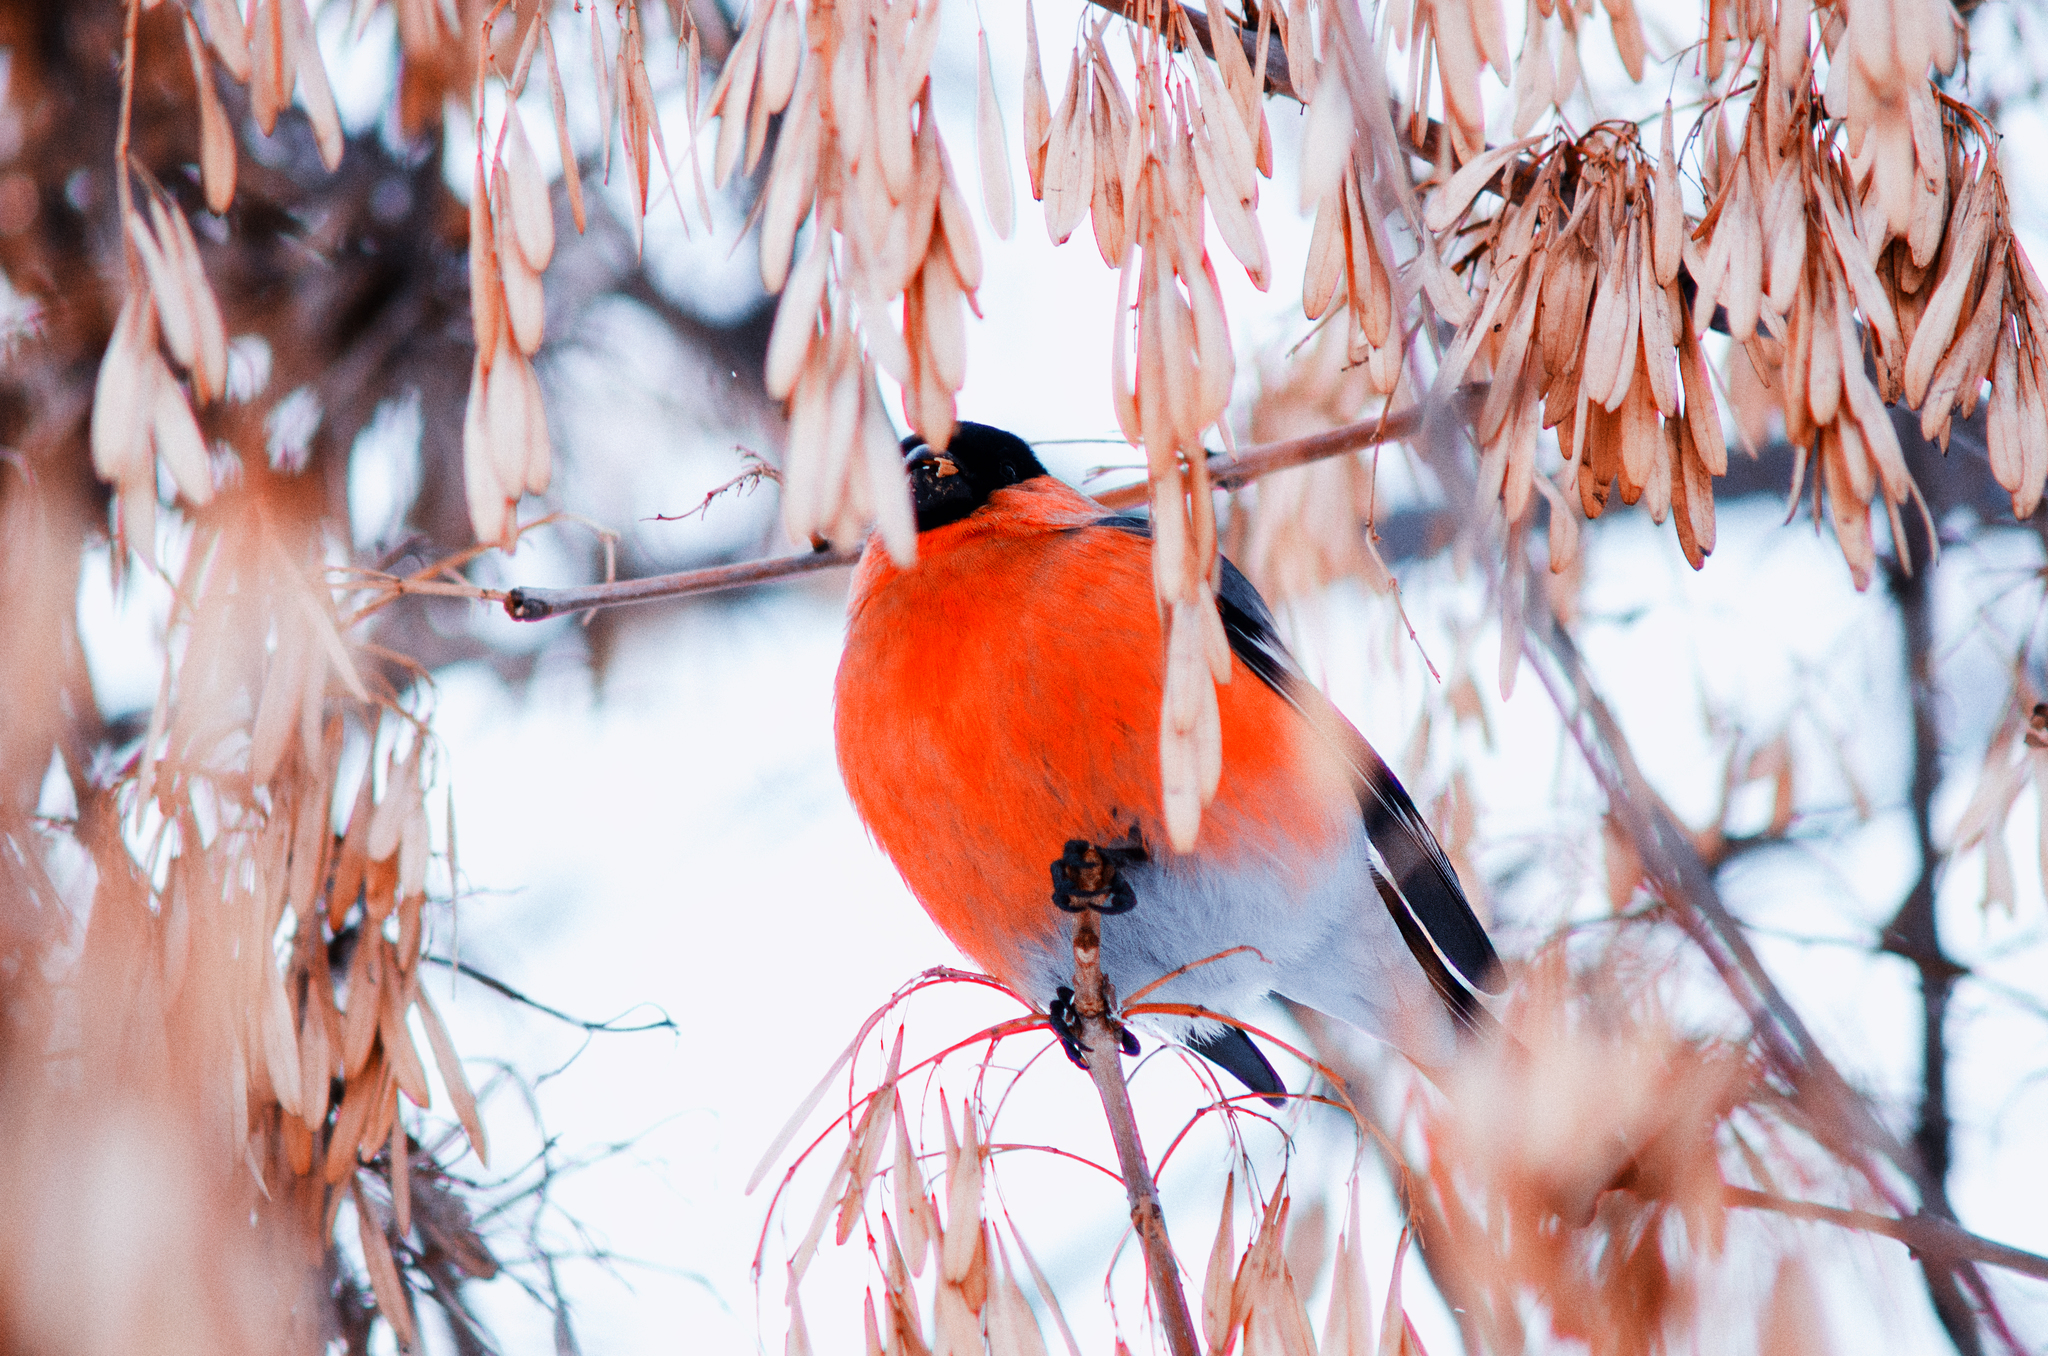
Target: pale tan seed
1037 107
998 193
526 195
216 137
224 29
177 438
1326 255
486 294
730 97
796 317
269 85
314 91
963 1202
173 300
1938 323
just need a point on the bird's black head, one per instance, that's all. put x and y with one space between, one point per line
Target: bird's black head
979 460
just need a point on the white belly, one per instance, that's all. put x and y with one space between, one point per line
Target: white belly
1328 944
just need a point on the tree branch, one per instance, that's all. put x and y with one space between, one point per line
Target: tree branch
1101 1038
1927 1235
1835 1114
1229 473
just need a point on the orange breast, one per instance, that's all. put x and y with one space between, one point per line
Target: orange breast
1002 697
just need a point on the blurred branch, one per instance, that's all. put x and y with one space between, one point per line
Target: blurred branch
1912 933
1232 473
1837 1116
1930 1237
1460 1290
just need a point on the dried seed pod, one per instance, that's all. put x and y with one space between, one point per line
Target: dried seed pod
314 92
782 48
525 196
176 436
1937 325
1038 117
216 136
225 31
796 317
1068 163
1190 736
1217 1330
1326 254
1012 1328
963 1203
271 78
998 196
1535 79
731 94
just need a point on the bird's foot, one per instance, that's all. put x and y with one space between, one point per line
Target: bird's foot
1088 876
1066 1024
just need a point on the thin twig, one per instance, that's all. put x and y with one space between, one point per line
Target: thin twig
526 604
1226 473
1230 473
500 987
1099 1034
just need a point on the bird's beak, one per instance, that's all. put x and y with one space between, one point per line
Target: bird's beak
940 463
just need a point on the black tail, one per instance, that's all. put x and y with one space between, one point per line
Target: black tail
1234 1052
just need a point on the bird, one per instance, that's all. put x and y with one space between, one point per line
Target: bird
1000 698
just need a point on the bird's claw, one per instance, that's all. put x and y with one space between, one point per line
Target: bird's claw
1066 1024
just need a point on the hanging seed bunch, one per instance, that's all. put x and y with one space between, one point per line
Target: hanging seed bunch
893 259
1581 326
1786 262
1888 227
1141 170
1582 1165
273 52
506 451
1977 311
1454 40
1262 1304
1297 530
950 1271
1547 68
976 1303
232 801
140 410
1349 247
1879 52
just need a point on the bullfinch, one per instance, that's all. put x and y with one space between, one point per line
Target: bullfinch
1001 698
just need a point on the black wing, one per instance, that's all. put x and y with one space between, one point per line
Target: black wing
1425 898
